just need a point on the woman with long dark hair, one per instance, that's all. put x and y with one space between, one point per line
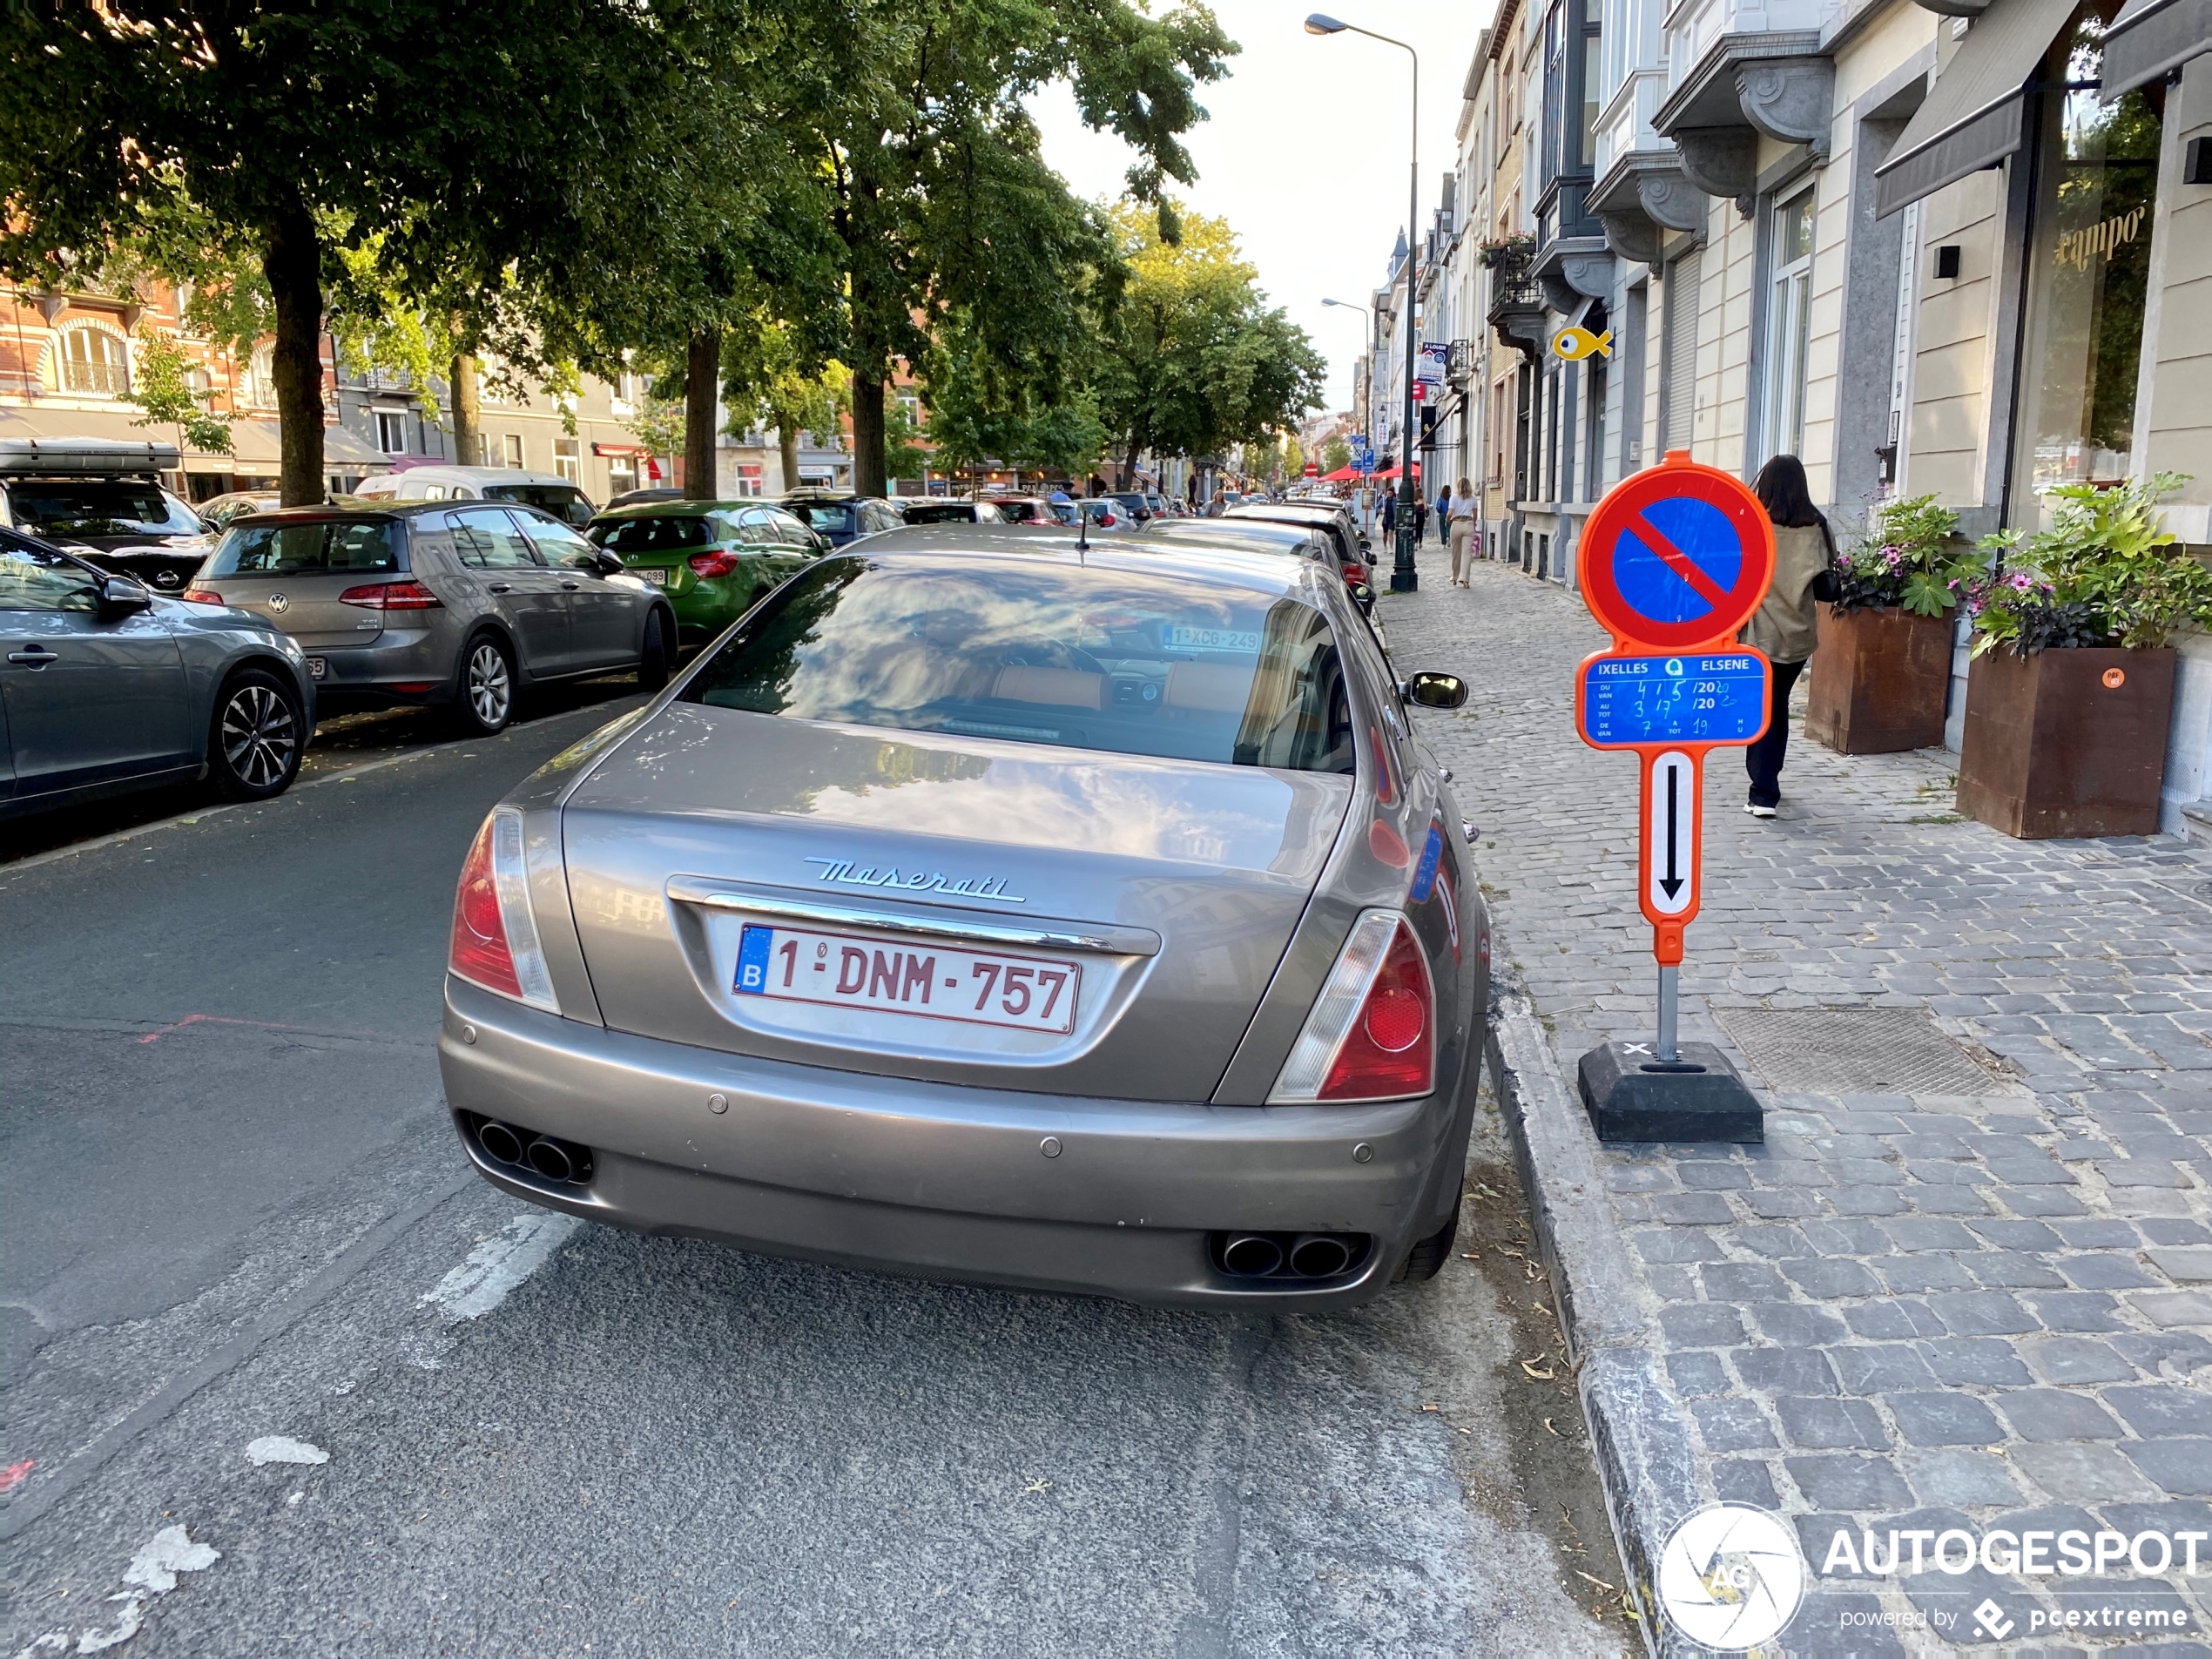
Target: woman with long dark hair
1785 627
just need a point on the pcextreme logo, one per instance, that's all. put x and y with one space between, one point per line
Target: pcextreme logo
1731 1577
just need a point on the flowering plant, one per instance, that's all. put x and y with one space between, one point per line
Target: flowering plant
1905 560
1506 250
2107 572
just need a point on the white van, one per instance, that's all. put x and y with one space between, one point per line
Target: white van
549 491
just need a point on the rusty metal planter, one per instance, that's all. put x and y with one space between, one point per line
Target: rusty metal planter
1878 681
2067 742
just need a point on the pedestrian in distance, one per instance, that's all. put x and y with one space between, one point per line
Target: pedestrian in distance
1786 627
1390 514
1421 519
1461 529
1444 512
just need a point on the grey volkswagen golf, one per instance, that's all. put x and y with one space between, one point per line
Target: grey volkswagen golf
1084 919
459 605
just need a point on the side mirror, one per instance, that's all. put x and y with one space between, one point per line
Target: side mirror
1434 690
120 597
607 563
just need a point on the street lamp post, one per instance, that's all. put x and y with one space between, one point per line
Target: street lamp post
1402 577
1353 306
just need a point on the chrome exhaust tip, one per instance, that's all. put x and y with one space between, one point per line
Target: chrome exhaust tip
500 1142
1251 1255
550 1159
1320 1255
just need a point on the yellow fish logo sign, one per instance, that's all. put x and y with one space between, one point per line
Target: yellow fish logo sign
1574 344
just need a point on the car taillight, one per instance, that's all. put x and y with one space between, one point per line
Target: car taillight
392 595
202 597
717 562
1354 572
1372 1034
495 936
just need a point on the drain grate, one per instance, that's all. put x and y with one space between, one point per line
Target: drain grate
1855 1051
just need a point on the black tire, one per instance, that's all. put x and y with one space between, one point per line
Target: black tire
1426 1258
484 703
653 660
257 735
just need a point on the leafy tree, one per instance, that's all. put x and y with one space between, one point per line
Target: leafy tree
161 385
1336 455
904 455
772 377
941 202
1195 362
288 129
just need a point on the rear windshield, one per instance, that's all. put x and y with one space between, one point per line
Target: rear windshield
1123 661
948 512
99 507
561 500
632 536
1019 512
284 549
825 515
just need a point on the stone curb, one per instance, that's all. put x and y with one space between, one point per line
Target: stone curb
1640 1433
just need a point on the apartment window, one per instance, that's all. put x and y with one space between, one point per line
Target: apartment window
512 446
621 476
751 486
1594 463
1789 325
94 363
391 431
567 459
1587 72
1557 156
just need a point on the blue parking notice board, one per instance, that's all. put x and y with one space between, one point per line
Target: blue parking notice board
1714 697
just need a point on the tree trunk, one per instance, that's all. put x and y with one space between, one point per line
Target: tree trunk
867 436
787 448
702 404
467 389
292 265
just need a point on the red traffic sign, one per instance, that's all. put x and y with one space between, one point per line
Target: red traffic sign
1677 556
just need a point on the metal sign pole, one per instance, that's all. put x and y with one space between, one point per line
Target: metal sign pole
1668 1054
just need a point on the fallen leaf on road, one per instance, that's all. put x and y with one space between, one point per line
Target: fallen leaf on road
1038 1486
1547 1427
1600 1582
1541 1375
16 1474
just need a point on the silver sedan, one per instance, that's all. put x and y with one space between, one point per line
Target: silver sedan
1088 919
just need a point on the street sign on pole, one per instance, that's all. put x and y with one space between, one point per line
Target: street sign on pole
1673 563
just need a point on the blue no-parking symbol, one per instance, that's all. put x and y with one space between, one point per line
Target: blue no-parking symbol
1678 560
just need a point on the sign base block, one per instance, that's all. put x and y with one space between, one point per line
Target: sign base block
1632 1097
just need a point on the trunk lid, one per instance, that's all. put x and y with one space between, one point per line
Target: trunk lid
290 572
1166 890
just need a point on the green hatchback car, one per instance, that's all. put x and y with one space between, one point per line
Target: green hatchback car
715 559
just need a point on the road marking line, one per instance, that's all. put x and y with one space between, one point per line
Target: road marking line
498 1264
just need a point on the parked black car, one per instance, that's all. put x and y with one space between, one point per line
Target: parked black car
101 499
840 516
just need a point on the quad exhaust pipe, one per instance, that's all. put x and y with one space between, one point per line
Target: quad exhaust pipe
526 1152
1291 1256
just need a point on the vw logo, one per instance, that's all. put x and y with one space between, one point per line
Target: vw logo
278 604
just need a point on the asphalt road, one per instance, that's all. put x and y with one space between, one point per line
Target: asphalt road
235 1217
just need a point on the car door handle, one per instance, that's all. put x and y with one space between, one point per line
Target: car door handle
571 587
33 657
503 587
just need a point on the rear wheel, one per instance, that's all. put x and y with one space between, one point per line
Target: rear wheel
653 660
487 699
258 736
1427 1258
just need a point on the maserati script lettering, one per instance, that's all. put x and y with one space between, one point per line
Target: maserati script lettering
867 875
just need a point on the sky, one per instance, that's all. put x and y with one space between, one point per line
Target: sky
1306 154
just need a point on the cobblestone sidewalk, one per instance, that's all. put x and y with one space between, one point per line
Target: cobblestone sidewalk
1982 1310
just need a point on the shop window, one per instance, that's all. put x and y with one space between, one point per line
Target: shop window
1789 324
94 363
622 475
567 459
2089 267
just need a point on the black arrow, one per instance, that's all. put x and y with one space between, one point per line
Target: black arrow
1670 884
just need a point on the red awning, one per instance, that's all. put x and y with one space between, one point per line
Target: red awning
1341 476
1385 477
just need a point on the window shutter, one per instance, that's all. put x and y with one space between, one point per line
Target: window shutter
1681 366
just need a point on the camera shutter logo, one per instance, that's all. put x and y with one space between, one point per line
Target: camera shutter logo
1731 1577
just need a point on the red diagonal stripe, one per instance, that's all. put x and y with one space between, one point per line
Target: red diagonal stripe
1679 562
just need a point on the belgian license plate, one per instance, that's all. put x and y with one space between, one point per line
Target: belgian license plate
979 987
653 573
317 667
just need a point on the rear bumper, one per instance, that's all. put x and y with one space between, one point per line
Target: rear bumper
418 657
950 1183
